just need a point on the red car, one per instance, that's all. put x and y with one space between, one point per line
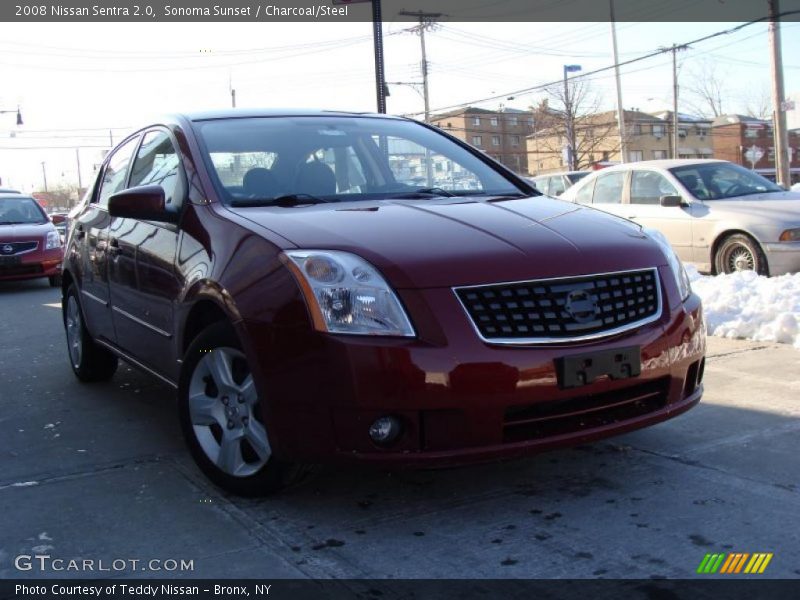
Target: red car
326 286
30 245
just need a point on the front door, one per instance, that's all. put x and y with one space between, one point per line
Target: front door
644 207
142 276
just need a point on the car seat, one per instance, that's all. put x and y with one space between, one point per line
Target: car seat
260 183
315 178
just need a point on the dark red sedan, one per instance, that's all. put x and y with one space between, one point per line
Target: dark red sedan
30 245
327 285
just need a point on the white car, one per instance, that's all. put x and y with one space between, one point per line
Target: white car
717 215
796 187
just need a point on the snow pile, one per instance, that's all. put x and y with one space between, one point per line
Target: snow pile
746 305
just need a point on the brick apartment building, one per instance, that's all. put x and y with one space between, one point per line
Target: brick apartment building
499 133
749 142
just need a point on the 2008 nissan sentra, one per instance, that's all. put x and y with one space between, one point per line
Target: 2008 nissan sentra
321 286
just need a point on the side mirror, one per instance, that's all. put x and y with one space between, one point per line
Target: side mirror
672 201
146 203
57 219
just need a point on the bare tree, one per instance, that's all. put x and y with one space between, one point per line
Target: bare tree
757 102
572 118
705 89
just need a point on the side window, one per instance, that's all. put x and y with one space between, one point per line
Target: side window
157 163
608 189
557 186
584 195
647 187
116 171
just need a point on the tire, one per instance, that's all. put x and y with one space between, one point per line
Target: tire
55 281
221 417
89 361
740 252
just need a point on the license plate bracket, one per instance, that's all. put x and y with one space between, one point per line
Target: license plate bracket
582 369
9 261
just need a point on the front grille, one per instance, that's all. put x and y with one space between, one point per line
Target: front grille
552 310
559 417
12 248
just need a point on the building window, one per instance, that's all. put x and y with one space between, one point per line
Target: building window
606 155
530 123
476 120
476 140
495 140
659 154
682 132
750 132
635 155
513 121
494 121
658 130
449 124
637 129
515 140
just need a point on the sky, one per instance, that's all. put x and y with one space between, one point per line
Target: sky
85 85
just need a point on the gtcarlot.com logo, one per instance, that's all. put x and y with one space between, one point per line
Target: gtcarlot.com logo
735 562
44 562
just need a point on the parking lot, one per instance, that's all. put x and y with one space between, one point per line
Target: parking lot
100 472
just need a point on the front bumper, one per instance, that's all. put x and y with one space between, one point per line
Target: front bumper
41 263
461 400
783 257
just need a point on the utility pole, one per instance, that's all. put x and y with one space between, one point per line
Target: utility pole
623 143
78 160
778 98
673 147
425 22
44 176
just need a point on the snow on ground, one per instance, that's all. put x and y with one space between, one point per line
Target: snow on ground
746 305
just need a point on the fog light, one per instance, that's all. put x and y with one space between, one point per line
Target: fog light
384 430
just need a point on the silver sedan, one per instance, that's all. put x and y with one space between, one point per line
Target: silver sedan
717 215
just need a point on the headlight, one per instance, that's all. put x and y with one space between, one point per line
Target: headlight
675 264
790 235
53 240
346 294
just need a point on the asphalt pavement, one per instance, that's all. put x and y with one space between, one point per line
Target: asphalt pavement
99 472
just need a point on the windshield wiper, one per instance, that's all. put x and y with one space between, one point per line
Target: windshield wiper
285 201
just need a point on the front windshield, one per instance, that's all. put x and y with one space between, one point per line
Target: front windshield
717 181
21 211
258 160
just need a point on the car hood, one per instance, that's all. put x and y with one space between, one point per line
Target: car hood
782 206
24 232
457 241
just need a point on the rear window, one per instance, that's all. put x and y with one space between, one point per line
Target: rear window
21 211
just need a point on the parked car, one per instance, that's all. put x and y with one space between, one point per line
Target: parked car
9 191
716 214
309 304
30 246
556 184
796 187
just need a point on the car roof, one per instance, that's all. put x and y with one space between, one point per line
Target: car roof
663 163
243 113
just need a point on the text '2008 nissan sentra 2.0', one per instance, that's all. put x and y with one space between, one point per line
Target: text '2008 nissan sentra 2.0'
321 286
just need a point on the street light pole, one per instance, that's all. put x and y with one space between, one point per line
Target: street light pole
623 142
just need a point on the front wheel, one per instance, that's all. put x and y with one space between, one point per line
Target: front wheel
221 417
740 252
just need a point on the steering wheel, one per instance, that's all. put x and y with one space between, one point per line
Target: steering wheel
736 189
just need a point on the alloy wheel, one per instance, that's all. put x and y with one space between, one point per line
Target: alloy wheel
223 409
74 331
